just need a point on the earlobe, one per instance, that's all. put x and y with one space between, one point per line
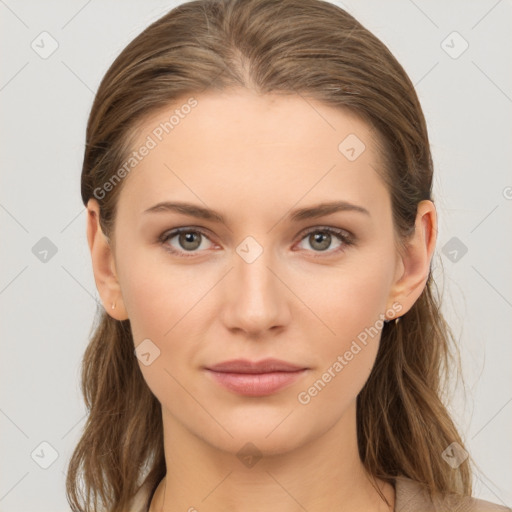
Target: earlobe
416 258
103 264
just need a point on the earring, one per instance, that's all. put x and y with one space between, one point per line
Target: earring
397 319
113 305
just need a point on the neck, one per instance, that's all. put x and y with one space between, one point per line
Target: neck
323 474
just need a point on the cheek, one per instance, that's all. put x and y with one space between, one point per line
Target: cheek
160 304
155 294
354 297
163 305
352 304
345 359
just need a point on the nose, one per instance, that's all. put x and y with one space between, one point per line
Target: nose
256 298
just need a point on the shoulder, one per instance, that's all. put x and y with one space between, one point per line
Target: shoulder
410 496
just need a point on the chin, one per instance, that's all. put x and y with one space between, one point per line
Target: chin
256 444
260 436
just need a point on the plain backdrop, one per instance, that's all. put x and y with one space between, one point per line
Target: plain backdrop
54 54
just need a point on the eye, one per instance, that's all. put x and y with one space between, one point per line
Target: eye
321 238
188 240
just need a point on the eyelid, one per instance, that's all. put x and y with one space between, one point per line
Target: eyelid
344 233
180 229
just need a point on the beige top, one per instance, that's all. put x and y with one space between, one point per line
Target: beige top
409 497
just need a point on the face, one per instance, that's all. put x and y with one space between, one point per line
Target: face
269 280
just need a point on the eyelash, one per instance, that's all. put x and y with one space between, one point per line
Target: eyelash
346 239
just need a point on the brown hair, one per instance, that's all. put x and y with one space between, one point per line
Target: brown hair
307 47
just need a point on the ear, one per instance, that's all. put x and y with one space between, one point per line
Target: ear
414 264
103 264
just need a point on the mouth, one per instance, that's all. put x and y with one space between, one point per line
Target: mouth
255 378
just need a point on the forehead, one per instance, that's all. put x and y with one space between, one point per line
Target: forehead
236 114
237 143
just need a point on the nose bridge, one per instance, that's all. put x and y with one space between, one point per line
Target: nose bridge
252 273
257 299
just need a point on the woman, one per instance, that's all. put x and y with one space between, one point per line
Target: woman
258 180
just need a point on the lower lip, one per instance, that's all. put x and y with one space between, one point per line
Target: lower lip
256 384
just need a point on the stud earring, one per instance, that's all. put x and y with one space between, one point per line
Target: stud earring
113 305
397 319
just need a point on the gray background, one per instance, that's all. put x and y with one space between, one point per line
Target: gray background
48 300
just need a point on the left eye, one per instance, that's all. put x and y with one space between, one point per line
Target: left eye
321 238
190 240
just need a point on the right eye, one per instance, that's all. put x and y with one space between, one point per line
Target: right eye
189 240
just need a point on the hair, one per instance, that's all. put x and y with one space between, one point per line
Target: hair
318 50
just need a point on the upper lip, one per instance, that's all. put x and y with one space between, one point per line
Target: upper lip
263 366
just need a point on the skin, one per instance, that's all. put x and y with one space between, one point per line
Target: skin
254 159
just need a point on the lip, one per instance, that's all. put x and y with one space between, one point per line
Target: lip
263 366
255 378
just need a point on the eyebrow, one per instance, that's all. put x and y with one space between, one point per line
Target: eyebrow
318 210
